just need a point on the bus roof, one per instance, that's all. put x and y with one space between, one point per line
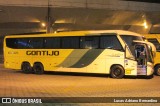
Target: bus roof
119 32
79 33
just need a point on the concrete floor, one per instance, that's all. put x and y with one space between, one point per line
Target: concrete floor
51 84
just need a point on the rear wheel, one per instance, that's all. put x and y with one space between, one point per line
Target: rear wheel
38 68
157 70
117 71
26 67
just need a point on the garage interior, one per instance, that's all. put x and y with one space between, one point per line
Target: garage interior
49 16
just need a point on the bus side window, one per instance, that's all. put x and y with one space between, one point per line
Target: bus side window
52 43
155 42
23 43
110 42
70 42
89 42
36 43
12 43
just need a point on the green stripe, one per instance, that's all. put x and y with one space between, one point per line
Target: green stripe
88 58
73 58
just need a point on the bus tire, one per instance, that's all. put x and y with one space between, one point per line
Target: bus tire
117 71
38 68
26 67
157 70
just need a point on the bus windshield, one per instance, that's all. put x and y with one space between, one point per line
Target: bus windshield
128 39
150 55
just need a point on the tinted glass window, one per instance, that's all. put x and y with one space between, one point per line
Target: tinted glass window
155 42
70 42
89 42
52 43
128 39
23 43
18 43
110 42
11 42
36 43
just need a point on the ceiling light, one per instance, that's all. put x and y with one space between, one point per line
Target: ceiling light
43 24
145 25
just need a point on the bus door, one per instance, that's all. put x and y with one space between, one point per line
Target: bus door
141 57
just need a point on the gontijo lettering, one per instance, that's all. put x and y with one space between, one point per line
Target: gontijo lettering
43 53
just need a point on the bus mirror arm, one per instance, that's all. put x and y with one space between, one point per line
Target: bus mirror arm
125 49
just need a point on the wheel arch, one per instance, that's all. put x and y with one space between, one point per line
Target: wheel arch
156 72
37 62
156 65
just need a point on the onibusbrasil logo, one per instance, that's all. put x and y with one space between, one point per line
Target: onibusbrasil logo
21 100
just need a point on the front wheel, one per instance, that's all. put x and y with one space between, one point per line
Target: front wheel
38 68
117 71
157 70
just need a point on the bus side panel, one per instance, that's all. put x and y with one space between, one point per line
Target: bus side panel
53 59
87 60
15 57
157 58
154 36
75 61
105 60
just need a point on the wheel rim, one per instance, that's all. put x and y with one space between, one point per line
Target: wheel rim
117 72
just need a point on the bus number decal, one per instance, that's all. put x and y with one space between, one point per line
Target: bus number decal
43 53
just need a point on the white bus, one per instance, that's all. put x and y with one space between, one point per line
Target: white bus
114 52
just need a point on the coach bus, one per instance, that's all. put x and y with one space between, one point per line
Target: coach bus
155 39
114 52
